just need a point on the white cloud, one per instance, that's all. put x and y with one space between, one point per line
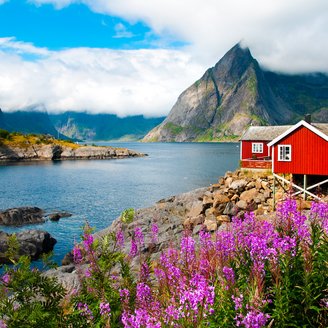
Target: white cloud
122 32
12 45
123 82
283 35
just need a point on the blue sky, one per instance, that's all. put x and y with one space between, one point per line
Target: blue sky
72 26
132 57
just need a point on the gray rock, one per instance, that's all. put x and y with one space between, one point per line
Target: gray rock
21 215
32 243
238 184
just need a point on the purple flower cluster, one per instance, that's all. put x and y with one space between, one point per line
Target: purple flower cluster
85 311
104 309
3 324
5 278
120 238
154 233
77 255
232 267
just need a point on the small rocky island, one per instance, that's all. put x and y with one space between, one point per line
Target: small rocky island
15 147
32 243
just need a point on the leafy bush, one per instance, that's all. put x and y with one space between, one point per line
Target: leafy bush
4 134
127 215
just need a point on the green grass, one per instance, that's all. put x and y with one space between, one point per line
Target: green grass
174 129
16 139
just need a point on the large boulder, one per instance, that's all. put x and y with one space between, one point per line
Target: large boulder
32 243
21 215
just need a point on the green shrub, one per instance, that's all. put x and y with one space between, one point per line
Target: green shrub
127 215
4 134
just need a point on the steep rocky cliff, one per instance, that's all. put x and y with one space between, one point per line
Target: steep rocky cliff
236 93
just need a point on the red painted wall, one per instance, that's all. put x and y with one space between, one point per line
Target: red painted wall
309 153
246 151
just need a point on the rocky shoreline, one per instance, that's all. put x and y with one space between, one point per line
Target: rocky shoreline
209 208
51 152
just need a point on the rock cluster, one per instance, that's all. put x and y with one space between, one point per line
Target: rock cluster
57 152
32 243
234 194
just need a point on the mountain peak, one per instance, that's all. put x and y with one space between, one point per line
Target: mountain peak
234 63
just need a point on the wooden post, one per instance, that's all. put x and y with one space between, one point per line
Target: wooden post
274 192
304 186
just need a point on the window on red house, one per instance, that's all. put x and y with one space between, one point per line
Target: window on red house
257 147
284 153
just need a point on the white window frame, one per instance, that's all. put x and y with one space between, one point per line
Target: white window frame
282 154
257 147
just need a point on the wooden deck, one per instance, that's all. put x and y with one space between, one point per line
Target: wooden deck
256 164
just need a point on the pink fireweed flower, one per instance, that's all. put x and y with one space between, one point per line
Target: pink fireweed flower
84 310
104 309
198 294
229 275
3 324
255 319
187 249
5 278
171 314
87 241
144 296
133 249
154 233
120 238
238 300
144 272
139 237
141 318
77 255
88 273
124 294
319 214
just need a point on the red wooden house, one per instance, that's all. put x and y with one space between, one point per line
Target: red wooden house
254 150
300 150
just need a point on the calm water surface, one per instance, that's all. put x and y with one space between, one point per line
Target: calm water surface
99 190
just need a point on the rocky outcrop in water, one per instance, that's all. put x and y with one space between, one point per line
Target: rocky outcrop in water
21 215
32 243
56 152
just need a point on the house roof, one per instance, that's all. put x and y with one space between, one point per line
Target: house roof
264 133
321 129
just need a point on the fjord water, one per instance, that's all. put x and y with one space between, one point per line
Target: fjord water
99 190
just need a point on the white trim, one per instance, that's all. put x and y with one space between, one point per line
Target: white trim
241 150
302 190
272 156
294 127
257 144
280 159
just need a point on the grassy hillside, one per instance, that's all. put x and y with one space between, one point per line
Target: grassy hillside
16 139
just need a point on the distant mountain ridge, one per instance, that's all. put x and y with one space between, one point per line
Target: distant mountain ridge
78 126
237 93
86 126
